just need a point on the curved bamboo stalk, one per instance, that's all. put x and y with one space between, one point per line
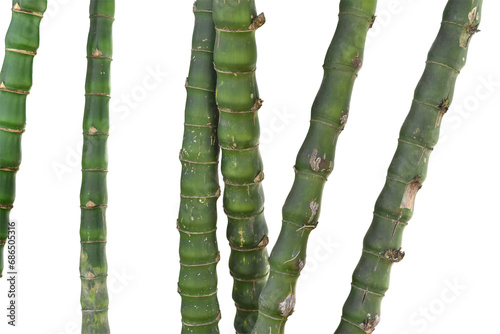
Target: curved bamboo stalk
21 44
93 194
314 163
197 220
235 57
407 172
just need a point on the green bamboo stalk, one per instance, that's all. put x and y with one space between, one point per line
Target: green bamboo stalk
407 172
21 44
314 163
93 194
235 57
197 221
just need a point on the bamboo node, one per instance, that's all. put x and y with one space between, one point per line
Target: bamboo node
95 311
443 65
248 280
97 94
15 91
12 130
370 20
18 9
269 316
187 85
195 296
283 273
189 233
204 324
309 174
25 52
239 308
9 169
262 244
217 259
93 241
102 15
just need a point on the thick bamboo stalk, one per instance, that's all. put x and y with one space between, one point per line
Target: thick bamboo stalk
408 170
93 194
314 163
235 57
197 221
21 44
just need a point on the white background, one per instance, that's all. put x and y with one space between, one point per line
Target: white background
451 241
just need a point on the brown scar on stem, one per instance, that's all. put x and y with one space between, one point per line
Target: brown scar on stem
357 62
259 178
313 207
469 28
369 324
364 294
343 118
443 109
263 243
257 105
314 160
90 204
394 255
96 53
255 108
257 22
287 306
411 190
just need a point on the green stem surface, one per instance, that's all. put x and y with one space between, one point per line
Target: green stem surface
197 221
93 194
407 172
314 163
21 43
235 57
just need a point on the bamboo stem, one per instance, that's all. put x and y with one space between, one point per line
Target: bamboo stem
93 194
235 57
197 220
21 43
314 164
408 169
